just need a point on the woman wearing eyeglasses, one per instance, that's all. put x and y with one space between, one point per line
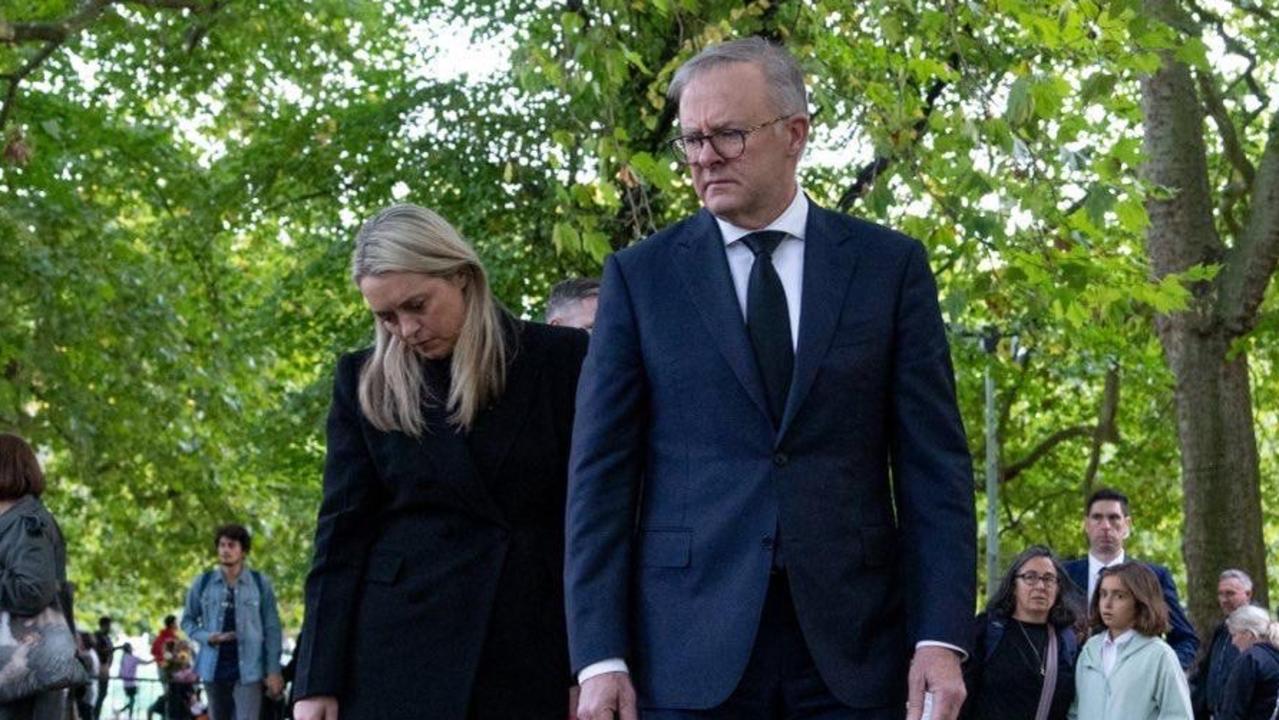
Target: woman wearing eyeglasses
1023 662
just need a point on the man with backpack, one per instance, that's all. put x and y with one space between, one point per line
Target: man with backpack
231 612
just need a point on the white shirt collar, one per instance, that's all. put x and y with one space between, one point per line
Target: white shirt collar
1124 637
792 221
1095 565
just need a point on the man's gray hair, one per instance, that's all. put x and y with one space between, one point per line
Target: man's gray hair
568 292
1240 575
783 74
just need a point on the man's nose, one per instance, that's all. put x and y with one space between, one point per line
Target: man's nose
706 154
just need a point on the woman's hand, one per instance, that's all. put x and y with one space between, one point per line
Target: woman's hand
324 707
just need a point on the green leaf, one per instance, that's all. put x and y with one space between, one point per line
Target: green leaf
1021 103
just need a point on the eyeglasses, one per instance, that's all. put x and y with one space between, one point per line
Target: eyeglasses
728 143
1033 579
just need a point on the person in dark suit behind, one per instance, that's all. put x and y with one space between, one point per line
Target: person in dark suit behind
1234 590
435 589
1107 523
573 303
770 496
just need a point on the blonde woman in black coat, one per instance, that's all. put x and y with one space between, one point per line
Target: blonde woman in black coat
436 586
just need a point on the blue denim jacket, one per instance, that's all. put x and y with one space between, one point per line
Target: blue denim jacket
257 624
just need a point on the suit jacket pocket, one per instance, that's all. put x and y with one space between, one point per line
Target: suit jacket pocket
665 548
383 568
854 334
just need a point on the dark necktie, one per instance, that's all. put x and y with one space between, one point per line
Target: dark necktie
768 321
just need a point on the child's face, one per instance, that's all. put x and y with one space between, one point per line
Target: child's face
1116 604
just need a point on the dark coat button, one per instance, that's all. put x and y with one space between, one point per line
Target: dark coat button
780 459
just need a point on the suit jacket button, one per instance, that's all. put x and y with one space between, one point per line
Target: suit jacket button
768 543
780 459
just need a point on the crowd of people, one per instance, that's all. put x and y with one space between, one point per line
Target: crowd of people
1105 636
746 493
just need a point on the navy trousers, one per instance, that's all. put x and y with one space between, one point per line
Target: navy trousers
781 681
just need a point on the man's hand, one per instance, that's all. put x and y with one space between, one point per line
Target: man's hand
275 685
607 696
316 708
218 638
936 670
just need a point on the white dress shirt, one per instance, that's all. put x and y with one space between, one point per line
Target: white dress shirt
788 261
1110 648
1094 569
788 258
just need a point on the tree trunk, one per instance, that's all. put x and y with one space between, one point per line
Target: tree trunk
1220 472
1219 466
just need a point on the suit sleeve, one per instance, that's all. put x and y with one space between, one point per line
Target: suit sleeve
1181 634
604 476
974 669
932 469
343 533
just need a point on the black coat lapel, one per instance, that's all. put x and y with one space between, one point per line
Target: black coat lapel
829 261
703 265
498 426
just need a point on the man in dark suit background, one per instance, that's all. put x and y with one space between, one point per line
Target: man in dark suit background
770 504
1208 684
1107 523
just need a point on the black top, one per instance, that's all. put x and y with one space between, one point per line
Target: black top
228 668
1250 693
436 586
1012 678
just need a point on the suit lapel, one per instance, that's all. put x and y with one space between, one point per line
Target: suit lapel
703 266
829 261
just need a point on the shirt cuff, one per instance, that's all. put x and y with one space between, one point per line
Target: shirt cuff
963 656
601 667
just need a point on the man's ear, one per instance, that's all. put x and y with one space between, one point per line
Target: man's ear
797 129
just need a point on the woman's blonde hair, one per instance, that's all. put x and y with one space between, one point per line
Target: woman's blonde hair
409 238
1252 619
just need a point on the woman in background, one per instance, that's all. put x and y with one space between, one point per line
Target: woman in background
33 561
1252 689
1027 635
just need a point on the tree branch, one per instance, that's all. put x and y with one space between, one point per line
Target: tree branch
871 171
1221 118
57 33
1044 447
1107 429
1251 262
1181 233
6 106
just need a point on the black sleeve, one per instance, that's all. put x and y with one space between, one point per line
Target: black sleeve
1237 695
343 532
29 578
973 669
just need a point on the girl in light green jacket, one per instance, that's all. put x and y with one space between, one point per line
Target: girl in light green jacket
1126 672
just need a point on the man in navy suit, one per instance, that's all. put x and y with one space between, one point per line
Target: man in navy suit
1107 524
770 498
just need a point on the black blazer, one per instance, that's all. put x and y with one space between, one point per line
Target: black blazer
435 588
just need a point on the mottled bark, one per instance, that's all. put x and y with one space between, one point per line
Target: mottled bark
1220 473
